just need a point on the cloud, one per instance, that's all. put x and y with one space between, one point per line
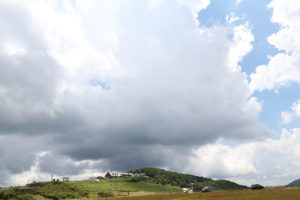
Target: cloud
283 68
288 117
28 77
195 5
242 44
269 162
18 155
238 1
173 86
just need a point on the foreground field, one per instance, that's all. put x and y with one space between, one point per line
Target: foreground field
128 189
266 194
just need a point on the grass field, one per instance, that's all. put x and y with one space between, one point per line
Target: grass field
122 185
266 194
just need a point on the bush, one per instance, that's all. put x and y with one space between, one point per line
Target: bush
137 179
58 196
83 193
50 196
26 197
7 194
105 194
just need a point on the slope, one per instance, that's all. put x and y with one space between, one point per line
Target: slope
294 183
161 176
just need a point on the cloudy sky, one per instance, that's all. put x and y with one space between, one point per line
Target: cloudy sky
208 87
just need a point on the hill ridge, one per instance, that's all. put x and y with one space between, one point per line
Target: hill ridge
162 176
294 183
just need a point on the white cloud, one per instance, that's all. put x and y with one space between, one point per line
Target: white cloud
222 161
282 68
238 1
231 18
12 49
288 117
195 6
296 108
242 39
269 162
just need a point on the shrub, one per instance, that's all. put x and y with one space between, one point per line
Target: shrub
137 179
105 194
50 196
26 197
7 194
83 193
58 196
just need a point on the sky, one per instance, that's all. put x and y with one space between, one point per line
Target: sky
206 87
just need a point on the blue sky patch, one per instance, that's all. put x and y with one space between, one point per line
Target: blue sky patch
257 14
100 83
274 104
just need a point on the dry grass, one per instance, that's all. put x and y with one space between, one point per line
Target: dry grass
266 194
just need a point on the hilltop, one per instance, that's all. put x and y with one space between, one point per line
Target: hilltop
294 183
161 176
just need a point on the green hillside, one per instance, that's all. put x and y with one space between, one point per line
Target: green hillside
161 176
91 189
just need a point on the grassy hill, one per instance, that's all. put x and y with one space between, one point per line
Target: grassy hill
157 181
161 176
80 189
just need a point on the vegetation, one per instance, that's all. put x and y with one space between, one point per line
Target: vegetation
14 193
122 184
163 177
218 185
295 183
81 189
105 194
89 190
266 194
155 181
60 190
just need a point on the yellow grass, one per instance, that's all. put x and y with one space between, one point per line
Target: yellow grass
266 194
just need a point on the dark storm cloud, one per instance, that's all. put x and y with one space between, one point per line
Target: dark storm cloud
60 165
18 154
28 79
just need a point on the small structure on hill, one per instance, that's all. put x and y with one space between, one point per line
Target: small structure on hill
187 190
257 187
92 179
66 178
125 174
118 175
206 189
139 175
95 178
